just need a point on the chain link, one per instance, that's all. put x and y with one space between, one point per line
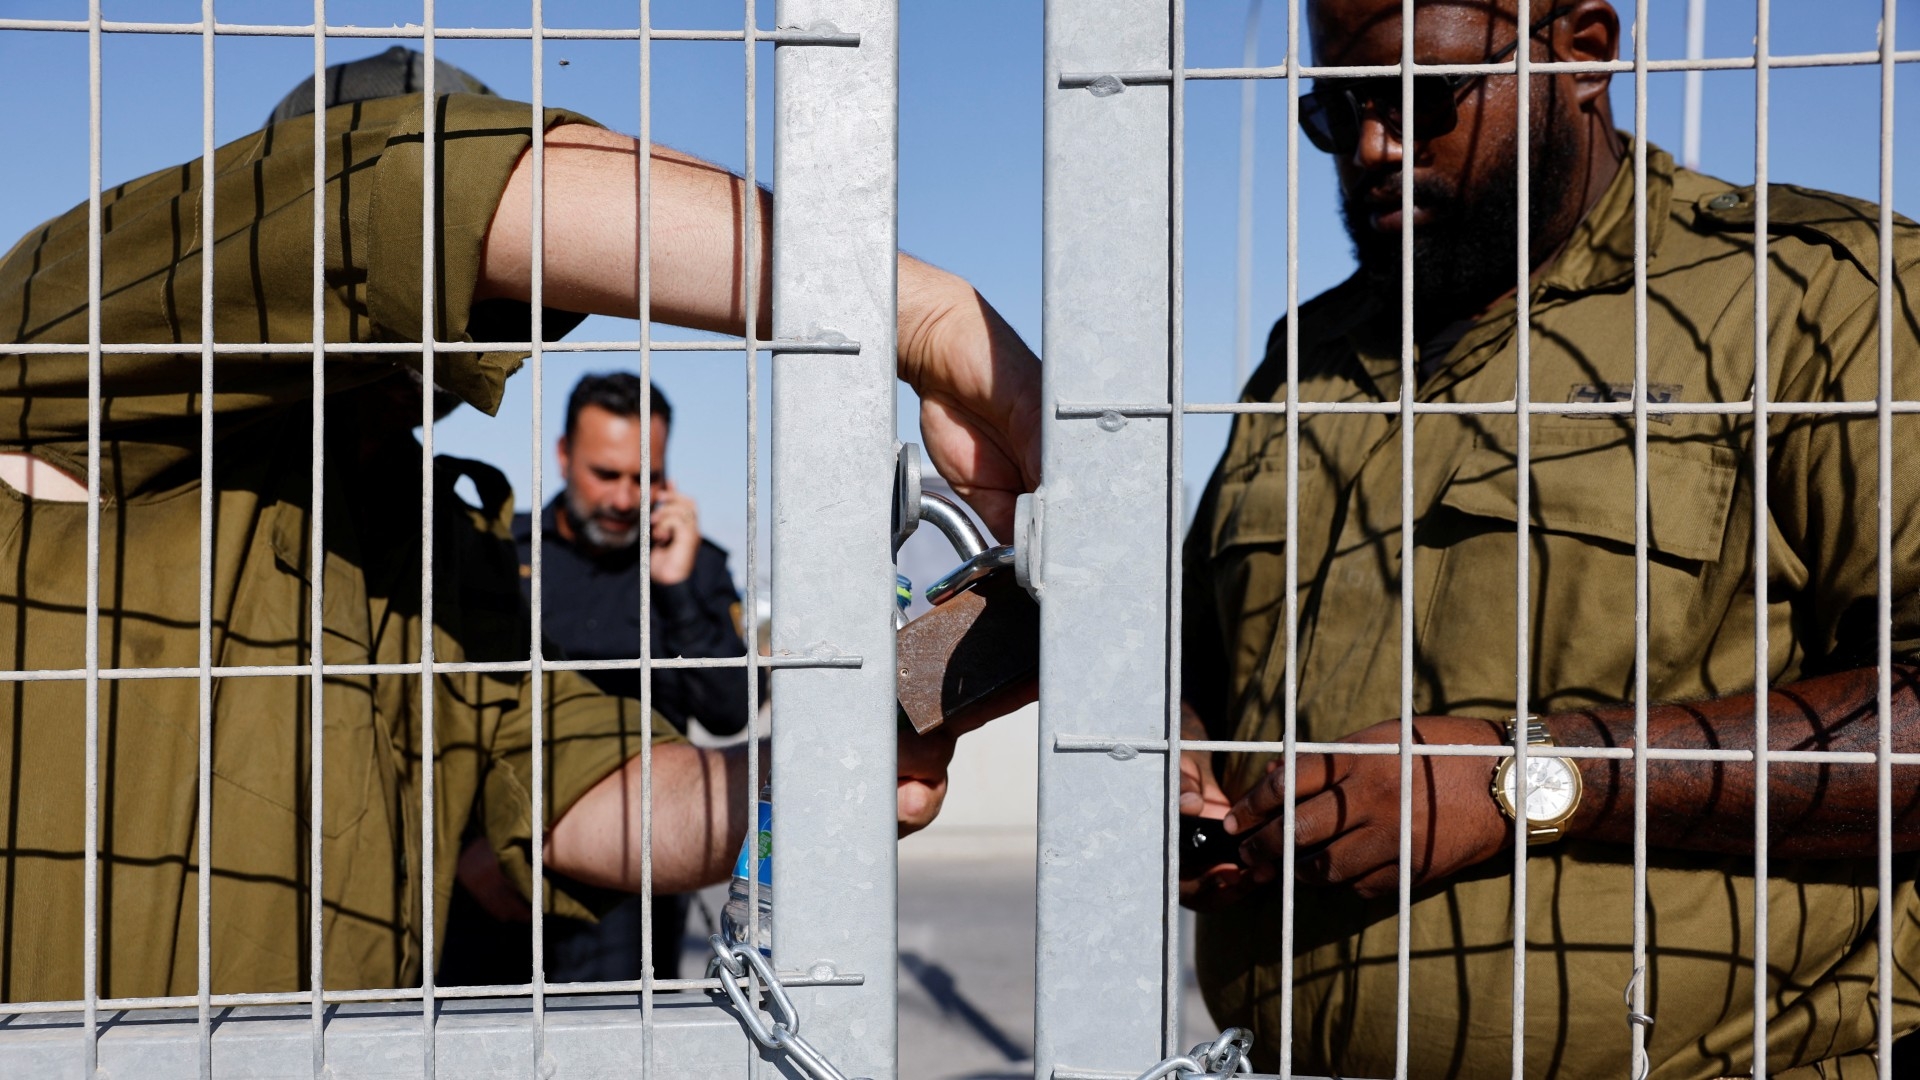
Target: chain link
1223 1057
778 1029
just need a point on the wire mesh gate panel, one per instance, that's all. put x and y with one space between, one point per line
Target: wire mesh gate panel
835 68
1106 527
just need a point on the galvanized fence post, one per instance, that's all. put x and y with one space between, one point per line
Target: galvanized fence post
1100 981
833 463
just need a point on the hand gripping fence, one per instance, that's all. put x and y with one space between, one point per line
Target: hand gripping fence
779 1030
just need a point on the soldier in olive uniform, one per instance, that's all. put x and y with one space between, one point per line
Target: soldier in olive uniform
260 609
1815 492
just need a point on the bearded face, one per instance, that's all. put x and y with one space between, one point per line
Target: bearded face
1465 251
604 526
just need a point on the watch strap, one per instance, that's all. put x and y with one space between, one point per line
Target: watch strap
1537 733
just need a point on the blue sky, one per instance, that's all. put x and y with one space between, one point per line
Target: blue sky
970 157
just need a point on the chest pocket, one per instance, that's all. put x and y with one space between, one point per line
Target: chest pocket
1248 565
1252 512
1588 491
1580 543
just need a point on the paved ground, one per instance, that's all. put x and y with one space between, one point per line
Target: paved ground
966 968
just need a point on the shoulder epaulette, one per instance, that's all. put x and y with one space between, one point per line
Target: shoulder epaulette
1851 227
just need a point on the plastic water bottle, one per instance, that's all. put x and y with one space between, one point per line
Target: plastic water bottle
734 919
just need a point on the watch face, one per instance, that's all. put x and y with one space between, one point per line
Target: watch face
1550 788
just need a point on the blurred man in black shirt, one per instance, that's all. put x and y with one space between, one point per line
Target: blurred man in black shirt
590 610
591 559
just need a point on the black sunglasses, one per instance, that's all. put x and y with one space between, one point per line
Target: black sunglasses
1330 114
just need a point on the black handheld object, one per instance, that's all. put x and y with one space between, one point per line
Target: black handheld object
1204 844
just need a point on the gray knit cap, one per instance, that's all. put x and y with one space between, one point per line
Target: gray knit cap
397 71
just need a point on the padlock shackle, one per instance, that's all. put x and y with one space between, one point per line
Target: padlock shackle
953 523
960 577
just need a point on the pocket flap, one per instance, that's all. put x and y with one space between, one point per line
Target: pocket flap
1588 490
1251 511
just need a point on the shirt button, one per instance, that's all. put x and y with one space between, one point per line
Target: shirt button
1724 202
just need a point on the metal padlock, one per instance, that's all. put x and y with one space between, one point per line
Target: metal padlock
976 655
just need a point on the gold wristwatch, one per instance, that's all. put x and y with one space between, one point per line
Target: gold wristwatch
1553 787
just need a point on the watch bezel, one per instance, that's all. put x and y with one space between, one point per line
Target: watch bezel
1539 830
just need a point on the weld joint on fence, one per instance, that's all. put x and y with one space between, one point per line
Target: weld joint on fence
827 35
1074 1073
832 345
1125 749
1104 83
788 978
408 348
443 667
1094 412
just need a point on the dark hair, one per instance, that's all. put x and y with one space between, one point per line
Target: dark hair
618 392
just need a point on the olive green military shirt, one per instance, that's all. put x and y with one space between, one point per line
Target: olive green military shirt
1821 510
375 725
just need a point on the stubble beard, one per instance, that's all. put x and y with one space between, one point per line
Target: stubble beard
594 533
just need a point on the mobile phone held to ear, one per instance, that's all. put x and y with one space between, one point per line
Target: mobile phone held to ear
1204 844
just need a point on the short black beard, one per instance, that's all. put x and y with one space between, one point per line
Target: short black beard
1466 256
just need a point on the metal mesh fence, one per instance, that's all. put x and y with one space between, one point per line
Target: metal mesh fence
832 342
1106 534
1116 77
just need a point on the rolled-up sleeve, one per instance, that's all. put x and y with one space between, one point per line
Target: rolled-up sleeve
587 736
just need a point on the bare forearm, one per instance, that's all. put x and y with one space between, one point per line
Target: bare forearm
700 806
979 384
1814 810
697 242
697 249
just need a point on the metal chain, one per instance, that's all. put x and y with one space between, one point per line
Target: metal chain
1223 1057
779 1028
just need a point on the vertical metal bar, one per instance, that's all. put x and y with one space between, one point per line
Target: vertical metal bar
750 296
316 558
1243 253
1099 998
1290 755
1175 509
834 734
1642 595
1696 79
1762 48
1409 382
1883 766
1523 501
538 758
643 213
90 934
429 332
203 803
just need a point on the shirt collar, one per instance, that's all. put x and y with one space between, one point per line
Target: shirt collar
1599 254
